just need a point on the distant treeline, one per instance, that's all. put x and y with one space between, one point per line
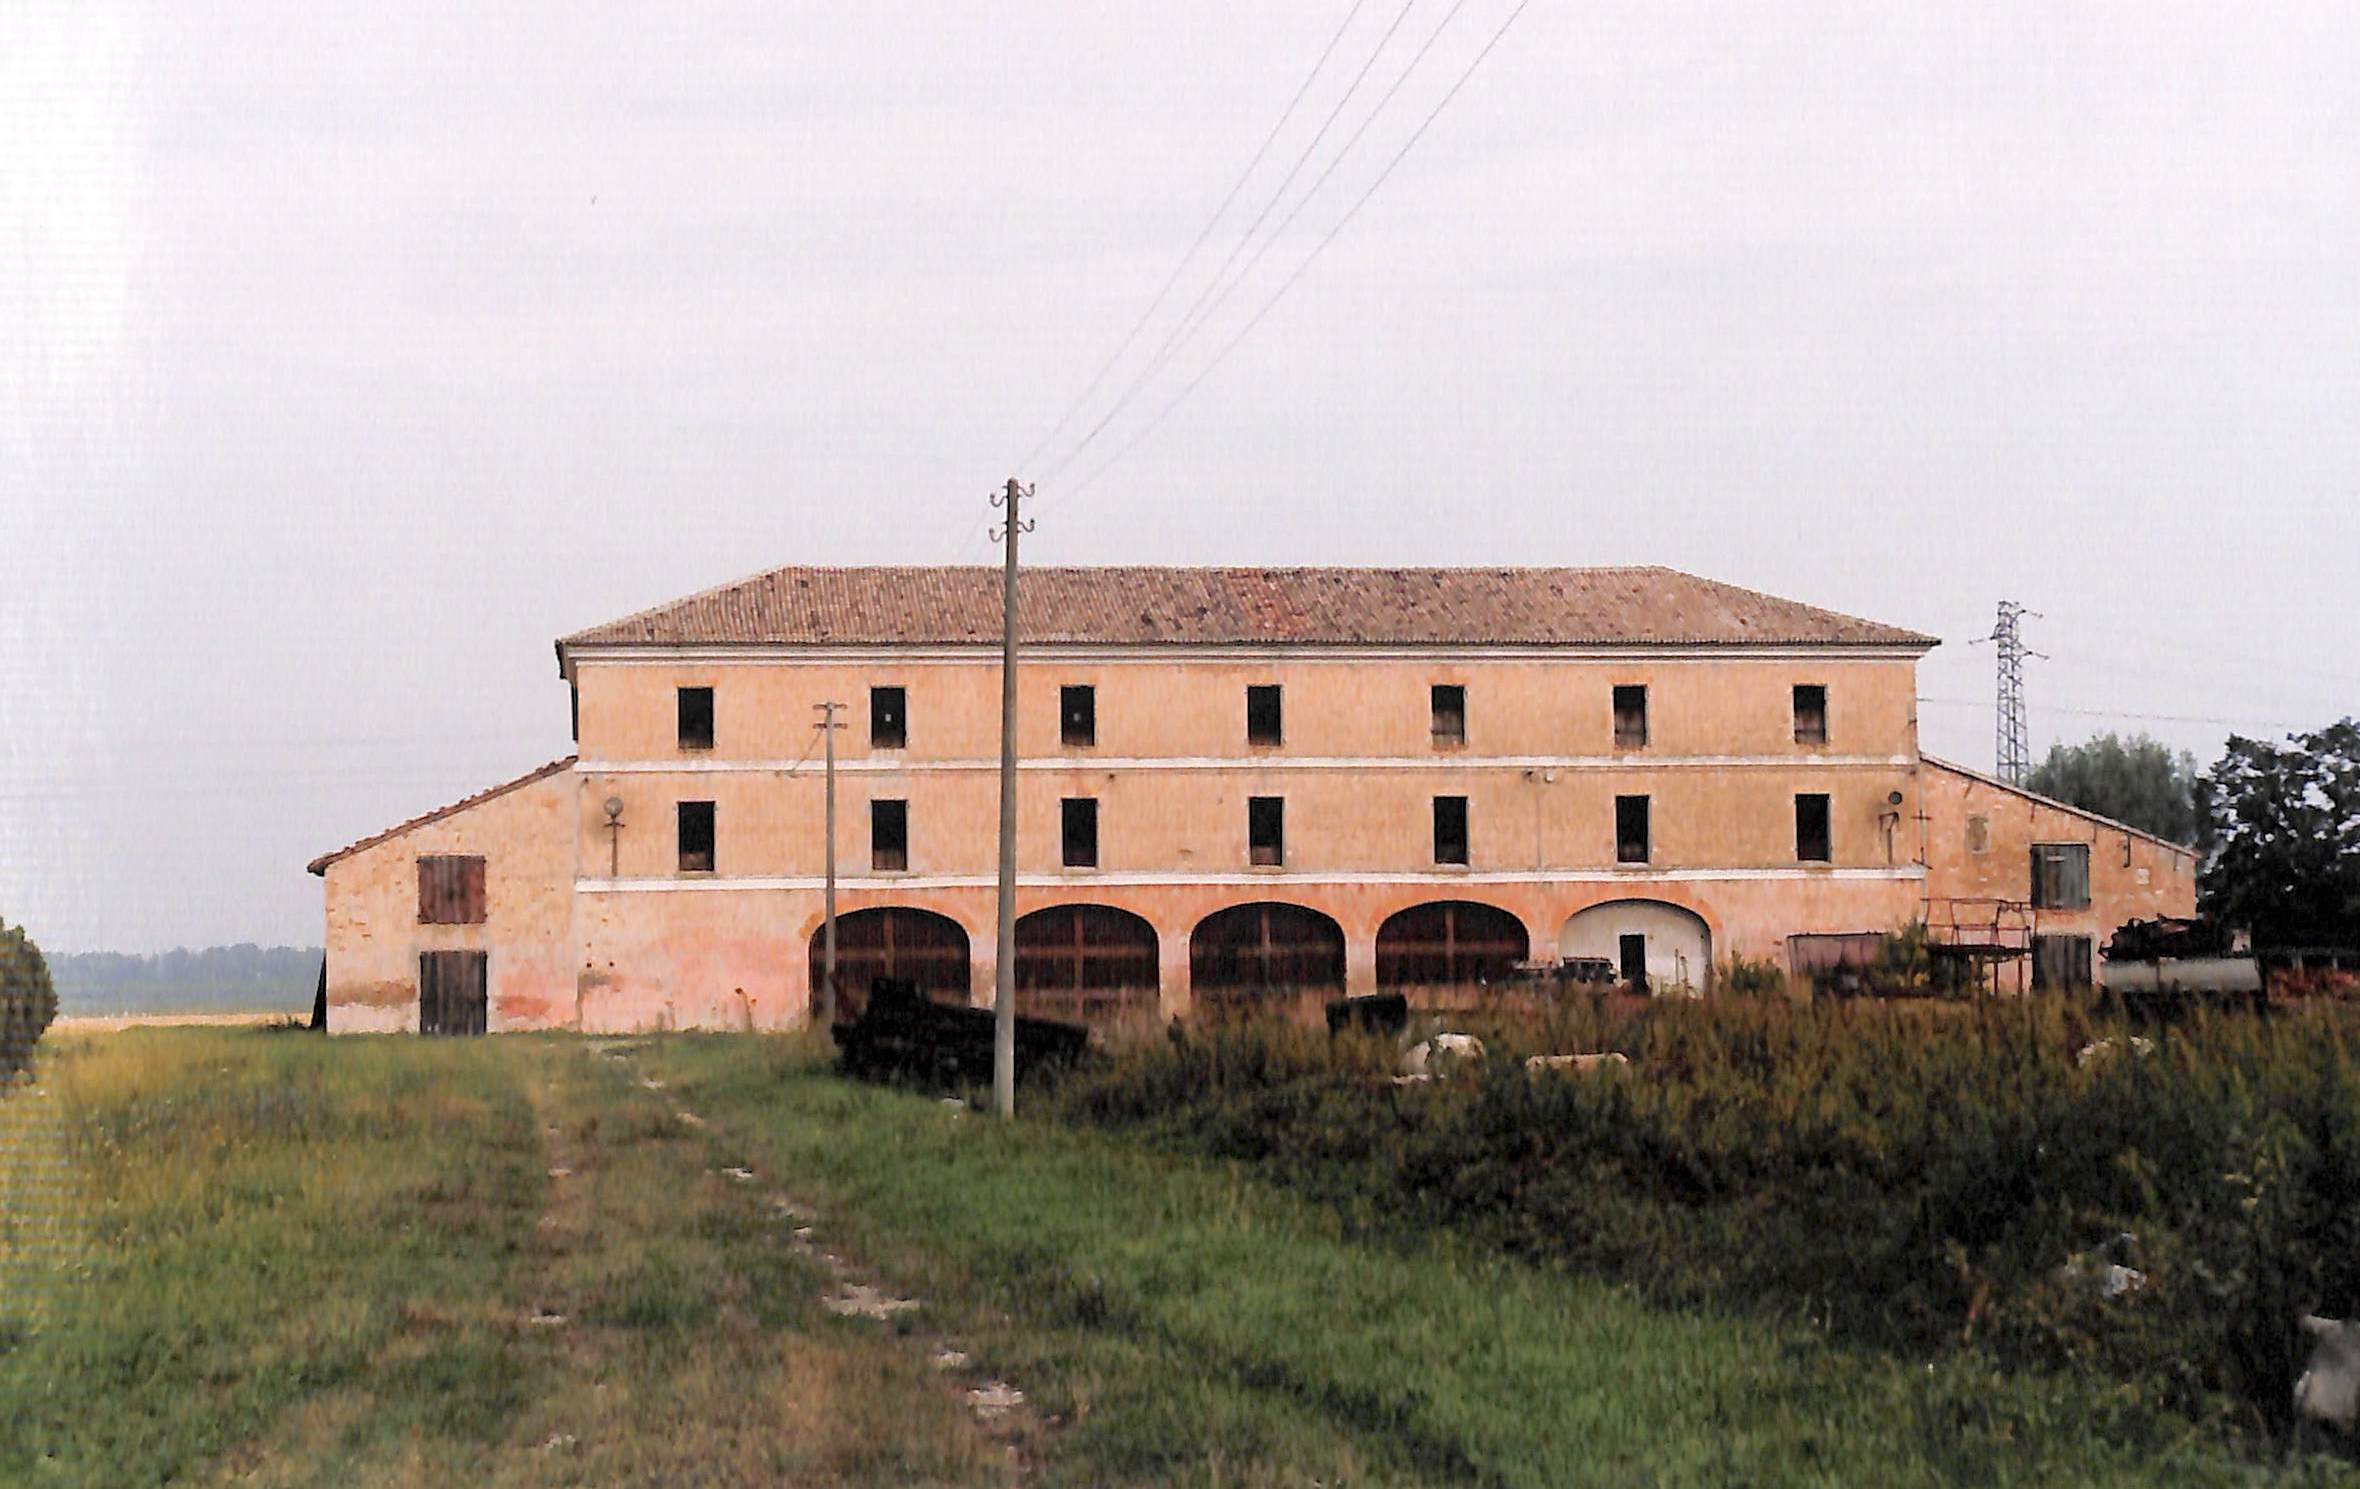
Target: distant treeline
228 979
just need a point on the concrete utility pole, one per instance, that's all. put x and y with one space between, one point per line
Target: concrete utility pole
1004 978
827 986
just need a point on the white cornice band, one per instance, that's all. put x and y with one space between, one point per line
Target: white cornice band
1275 879
894 765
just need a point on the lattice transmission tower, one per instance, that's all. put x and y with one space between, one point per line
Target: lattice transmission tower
2011 741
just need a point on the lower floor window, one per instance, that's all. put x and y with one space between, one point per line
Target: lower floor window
2060 963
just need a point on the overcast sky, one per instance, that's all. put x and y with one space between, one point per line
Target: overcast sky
349 355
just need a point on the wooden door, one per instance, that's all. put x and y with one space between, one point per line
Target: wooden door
454 991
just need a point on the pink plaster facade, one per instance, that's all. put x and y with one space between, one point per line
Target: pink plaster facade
1979 841
374 931
597 926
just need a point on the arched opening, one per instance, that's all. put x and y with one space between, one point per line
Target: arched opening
1449 942
892 941
1661 947
1244 955
1093 963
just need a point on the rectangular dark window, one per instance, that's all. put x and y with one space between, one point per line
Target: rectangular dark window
889 835
696 718
453 991
1811 834
889 718
696 837
1810 713
1450 829
1266 829
1630 829
1077 715
2060 876
1630 716
450 890
1080 832
2060 962
1264 720
1450 715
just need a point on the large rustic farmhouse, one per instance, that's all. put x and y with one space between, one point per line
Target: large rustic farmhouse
1231 780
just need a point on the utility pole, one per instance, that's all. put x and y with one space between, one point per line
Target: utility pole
827 986
2011 746
1004 978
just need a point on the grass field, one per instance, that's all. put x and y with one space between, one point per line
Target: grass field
294 1261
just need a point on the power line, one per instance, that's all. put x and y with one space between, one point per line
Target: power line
1189 257
1271 238
1317 249
2114 713
1157 358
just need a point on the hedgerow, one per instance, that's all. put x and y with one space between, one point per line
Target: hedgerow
1919 1177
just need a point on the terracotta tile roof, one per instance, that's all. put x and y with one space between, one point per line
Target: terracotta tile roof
320 864
1309 607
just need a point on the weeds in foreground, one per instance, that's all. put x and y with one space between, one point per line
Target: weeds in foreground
1918 1179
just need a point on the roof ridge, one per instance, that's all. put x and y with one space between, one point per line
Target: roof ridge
1242 604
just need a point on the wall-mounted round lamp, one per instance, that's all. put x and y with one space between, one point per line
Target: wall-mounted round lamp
614 809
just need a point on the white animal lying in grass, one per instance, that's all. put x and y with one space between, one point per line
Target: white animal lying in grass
2105 1272
2329 1390
2104 1049
1438 1055
1539 1063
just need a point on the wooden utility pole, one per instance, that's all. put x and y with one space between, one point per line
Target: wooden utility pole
827 986
1004 979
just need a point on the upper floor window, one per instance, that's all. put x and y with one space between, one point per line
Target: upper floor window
450 890
1264 720
1450 829
889 835
1810 713
696 718
2060 876
889 718
1079 832
1630 829
1077 714
1450 715
1266 829
696 837
1630 716
1811 829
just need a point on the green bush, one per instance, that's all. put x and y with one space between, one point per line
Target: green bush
27 1001
1914 1176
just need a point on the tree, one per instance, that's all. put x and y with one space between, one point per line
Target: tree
2133 780
2281 832
27 1002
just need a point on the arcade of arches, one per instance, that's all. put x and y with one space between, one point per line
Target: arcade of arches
1094 962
